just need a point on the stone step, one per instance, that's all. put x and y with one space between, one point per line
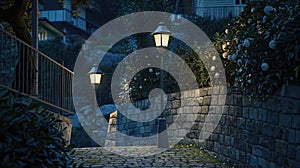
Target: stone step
178 156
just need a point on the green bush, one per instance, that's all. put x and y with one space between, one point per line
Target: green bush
261 48
30 136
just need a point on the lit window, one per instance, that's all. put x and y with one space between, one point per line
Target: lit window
43 35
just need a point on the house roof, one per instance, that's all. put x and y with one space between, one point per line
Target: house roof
45 22
72 30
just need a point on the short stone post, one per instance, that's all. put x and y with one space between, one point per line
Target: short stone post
111 130
162 135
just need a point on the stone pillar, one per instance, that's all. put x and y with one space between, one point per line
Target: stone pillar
111 130
162 137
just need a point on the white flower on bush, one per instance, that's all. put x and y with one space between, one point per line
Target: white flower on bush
214 58
224 46
264 66
246 43
264 20
273 44
217 75
252 10
240 46
233 57
225 54
226 31
212 68
269 10
239 62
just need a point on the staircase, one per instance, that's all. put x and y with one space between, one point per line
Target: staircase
33 74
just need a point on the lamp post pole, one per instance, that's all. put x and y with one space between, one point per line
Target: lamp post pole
161 37
95 78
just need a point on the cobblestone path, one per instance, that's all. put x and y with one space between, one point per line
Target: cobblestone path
180 156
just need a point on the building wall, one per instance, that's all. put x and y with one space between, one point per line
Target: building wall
211 3
218 8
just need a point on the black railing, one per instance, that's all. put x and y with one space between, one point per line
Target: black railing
32 73
219 12
63 15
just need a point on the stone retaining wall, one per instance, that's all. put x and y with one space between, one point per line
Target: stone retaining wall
248 134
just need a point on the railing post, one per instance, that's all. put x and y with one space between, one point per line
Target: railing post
62 89
35 43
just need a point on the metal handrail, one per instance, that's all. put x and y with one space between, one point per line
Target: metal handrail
36 99
46 81
218 11
39 52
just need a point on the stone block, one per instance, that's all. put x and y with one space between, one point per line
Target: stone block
241 123
262 115
215 90
230 140
257 150
229 99
221 139
214 100
142 130
292 151
293 107
253 161
225 130
245 112
268 129
209 90
296 122
285 120
273 117
281 147
148 129
197 93
174 96
262 163
298 153
242 156
200 101
246 101
222 99
250 125
291 137
253 113
238 100
204 91
204 109
281 133
297 136
293 163
272 165
217 147
258 127
206 100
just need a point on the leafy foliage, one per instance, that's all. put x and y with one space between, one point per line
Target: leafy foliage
147 5
261 48
60 51
30 136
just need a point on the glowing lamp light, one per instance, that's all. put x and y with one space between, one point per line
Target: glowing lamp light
95 75
161 35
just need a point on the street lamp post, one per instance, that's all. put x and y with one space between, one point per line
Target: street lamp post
95 79
161 37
